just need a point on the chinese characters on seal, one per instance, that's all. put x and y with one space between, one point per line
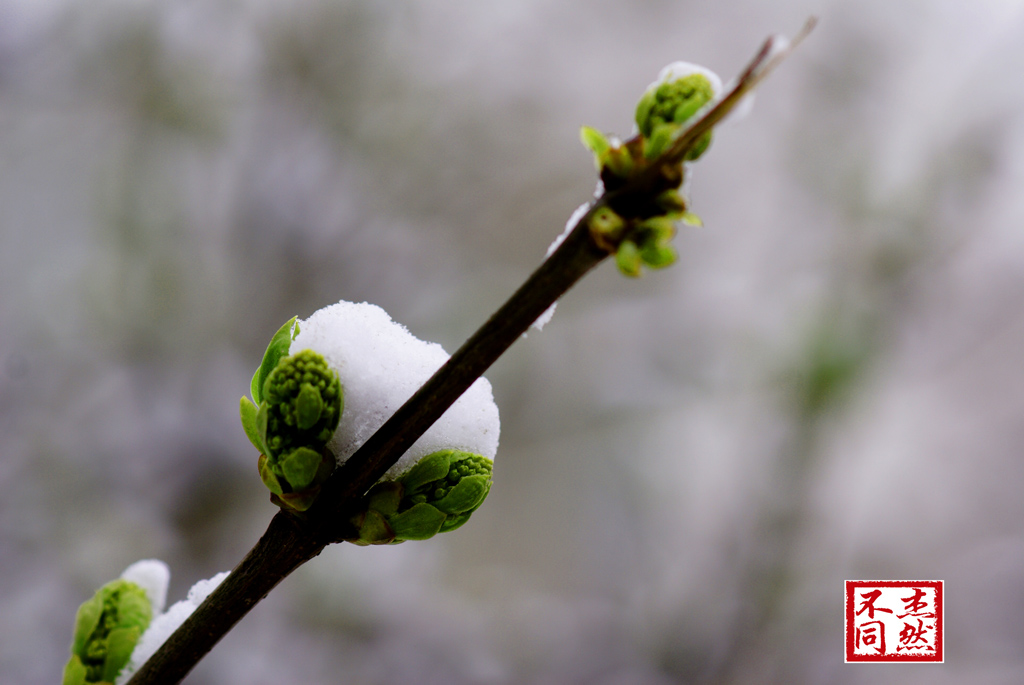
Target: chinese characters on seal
894 621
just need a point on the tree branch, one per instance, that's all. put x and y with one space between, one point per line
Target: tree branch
283 548
294 538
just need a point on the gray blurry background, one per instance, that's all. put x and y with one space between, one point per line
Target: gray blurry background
829 385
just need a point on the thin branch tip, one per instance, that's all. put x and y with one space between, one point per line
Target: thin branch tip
777 48
808 26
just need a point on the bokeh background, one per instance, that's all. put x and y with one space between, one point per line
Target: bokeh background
829 385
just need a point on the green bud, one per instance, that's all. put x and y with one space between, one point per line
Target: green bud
107 628
628 258
640 233
302 402
438 494
609 155
462 465
664 109
298 404
606 226
673 102
653 236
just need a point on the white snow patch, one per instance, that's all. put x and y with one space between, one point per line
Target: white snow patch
577 214
198 593
543 319
779 45
678 70
380 365
163 625
152 575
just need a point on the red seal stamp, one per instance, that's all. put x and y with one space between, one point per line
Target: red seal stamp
894 621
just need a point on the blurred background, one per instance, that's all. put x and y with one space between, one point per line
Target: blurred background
828 386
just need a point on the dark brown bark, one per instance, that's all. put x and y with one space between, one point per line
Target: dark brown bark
293 539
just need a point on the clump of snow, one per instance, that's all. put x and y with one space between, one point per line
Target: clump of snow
152 575
380 365
198 593
678 70
161 627
779 44
543 319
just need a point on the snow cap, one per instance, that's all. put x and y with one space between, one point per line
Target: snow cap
152 575
165 624
380 365
678 70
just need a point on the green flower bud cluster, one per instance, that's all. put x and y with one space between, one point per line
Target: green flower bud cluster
639 232
644 239
299 401
303 398
436 495
663 110
107 628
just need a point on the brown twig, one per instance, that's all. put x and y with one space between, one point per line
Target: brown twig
293 539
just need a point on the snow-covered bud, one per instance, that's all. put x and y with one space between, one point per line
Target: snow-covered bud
303 429
681 90
109 625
